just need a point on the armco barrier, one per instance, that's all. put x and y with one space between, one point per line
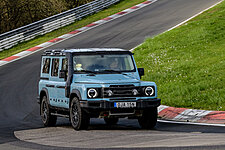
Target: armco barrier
47 25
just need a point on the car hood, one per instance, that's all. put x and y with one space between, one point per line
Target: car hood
105 78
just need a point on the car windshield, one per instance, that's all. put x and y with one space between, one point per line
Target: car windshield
103 63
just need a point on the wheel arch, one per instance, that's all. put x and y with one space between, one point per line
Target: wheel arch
44 92
75 93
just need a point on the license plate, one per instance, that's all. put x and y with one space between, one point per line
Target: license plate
125 104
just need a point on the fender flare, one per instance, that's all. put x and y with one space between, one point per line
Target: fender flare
76 92
45 90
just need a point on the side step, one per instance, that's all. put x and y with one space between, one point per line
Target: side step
60 115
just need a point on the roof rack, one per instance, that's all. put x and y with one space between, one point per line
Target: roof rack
54 52
62 52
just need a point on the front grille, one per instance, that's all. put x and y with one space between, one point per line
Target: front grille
121 86
120 91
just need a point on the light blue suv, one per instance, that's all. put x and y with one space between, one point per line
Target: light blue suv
95 83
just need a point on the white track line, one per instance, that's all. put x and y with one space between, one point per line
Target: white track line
191 123
183 21
194 16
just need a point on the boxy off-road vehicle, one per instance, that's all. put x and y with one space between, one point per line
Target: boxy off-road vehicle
92 83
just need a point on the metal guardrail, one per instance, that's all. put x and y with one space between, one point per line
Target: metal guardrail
49 24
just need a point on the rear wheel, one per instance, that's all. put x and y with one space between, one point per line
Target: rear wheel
78 117
111 121
148 119
47 118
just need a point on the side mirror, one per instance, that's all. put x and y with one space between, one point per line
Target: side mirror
141 72
62 74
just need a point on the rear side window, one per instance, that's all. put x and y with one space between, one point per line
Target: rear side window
55 67
46 65
64 64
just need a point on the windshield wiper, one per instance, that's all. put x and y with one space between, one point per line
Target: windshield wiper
88 71
112 71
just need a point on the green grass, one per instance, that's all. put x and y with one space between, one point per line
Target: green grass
188 63
124 4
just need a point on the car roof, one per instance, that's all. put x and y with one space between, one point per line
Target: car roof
83 50
94 50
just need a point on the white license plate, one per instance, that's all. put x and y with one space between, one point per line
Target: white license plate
125 104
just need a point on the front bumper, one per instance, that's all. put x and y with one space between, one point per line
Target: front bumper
107 105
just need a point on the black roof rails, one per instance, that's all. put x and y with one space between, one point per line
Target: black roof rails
54 52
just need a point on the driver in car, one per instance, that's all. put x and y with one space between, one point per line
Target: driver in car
115 64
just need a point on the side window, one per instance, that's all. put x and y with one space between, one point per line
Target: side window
46 65
55 67
64 64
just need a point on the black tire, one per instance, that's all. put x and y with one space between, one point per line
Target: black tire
148 119
47 119
111 121
78 117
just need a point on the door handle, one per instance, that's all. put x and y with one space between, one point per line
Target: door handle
61 87
49 85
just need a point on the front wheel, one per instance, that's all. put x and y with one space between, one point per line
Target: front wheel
47 118
78 117
148 119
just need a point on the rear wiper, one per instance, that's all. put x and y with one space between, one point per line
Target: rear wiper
112 71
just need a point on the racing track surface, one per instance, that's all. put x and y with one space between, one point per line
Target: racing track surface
19 79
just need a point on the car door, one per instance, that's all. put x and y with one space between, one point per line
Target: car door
57 85
63 101
53 79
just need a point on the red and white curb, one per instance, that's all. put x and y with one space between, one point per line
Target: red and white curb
191 115
74 33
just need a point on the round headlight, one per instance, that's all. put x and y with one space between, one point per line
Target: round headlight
92 93
149 91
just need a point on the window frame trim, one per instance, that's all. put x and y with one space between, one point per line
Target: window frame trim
52 67
105 53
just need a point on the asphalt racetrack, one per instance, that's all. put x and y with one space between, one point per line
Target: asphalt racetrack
20 122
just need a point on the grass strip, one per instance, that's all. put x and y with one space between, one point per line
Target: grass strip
124 4
188 63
